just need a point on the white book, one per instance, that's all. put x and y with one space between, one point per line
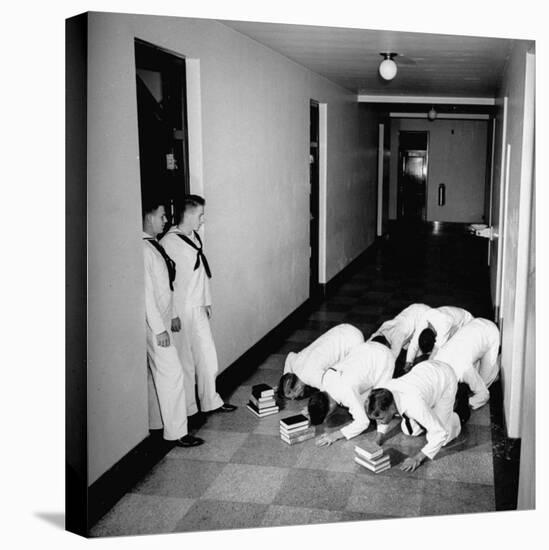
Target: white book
372 468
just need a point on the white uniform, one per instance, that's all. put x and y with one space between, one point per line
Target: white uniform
194 342
445 321
473 355
164 364
350 381
327 350
427 395
400 329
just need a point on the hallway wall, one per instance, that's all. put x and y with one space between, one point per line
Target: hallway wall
253 112
513 86
457 158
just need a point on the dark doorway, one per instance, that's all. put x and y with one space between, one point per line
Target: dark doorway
412 176
314 285
162 122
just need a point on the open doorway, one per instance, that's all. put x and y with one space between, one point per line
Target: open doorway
412 176
162 123
314 172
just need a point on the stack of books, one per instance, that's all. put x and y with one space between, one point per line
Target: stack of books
295 429
371 456
262 401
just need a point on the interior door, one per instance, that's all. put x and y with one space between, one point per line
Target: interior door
499 207
412 183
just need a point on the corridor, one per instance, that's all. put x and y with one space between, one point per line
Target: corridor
245 476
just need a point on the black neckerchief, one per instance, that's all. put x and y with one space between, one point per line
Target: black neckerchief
199 253
170 264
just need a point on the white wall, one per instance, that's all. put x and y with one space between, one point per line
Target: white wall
255 149
457 158
511 369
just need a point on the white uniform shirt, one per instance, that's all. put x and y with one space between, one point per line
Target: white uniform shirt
158 295
310 363
415 395
445 321
400 329
350 381
191 287
470 344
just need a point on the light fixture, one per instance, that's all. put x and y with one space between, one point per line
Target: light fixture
432 114
388 68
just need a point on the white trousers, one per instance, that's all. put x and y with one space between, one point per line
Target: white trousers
168 407
480 380
196 349
444 411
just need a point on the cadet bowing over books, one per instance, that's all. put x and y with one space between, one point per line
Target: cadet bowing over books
423 399
307 367
348 383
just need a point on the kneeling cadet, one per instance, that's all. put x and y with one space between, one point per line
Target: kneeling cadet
307 367
348 383
425 397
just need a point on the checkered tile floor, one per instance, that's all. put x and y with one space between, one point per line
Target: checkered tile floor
245 476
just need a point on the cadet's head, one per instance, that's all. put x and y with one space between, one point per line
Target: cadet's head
319 407
154 216
426 340
290 386
380 339
191 213
381 406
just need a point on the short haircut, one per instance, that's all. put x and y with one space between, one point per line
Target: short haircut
380 339
151 203
287 383
189 201
379 401
318 407
426 340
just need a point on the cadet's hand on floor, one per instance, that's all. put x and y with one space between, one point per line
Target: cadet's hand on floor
176 324
163 339
324 440
410 464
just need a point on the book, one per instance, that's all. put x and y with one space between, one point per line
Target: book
263 402
376 470
297 433
294 421
368 450
265 412
302 437
297 430
262 390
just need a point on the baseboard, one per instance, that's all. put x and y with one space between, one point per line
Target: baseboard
337 280
104 493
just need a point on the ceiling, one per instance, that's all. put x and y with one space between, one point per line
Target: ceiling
438 65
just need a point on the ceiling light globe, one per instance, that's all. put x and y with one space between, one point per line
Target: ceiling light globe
432 114
388 69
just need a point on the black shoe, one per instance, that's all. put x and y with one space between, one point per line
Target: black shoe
225 408
188 441
196 421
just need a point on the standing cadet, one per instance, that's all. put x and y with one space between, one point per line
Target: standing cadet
435 327
163 361
423 398
348 383
473 355
399 330
308 366
193 304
